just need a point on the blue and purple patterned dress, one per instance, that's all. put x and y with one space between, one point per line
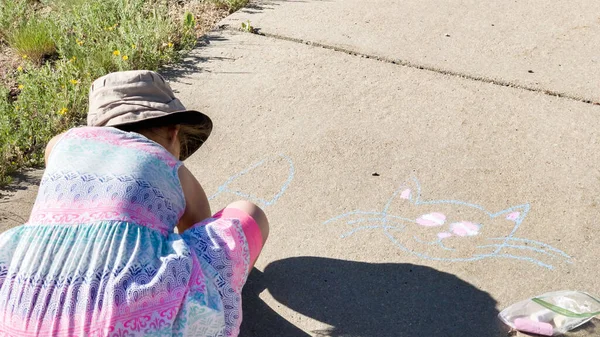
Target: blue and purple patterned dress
99 256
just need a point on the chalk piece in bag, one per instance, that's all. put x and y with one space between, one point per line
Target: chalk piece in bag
560 321
527 325
542 315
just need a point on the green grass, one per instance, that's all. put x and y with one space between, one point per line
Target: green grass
232 5
9 12
34 39
63 46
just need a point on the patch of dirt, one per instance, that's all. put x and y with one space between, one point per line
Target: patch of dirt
17 198
206 13
9 61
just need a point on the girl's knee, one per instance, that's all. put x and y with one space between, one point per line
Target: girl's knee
256 213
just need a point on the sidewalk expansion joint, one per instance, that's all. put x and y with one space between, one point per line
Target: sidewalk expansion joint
413 65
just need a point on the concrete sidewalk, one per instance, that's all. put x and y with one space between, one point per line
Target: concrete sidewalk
405 201
351 152
546 46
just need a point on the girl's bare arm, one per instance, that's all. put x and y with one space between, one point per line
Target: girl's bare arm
50 146
197 207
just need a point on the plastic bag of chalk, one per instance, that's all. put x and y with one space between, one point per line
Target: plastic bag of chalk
551 314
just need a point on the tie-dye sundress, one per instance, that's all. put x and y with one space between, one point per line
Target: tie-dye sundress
99 256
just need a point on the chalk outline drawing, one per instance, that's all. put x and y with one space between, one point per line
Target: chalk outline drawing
224 188
393 223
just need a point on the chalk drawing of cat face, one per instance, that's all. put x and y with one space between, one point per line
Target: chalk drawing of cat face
278 168
451 230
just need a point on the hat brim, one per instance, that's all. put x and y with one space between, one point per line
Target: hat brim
191 118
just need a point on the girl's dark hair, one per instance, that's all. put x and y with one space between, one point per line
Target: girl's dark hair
189 135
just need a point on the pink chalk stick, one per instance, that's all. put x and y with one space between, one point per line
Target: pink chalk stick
527 325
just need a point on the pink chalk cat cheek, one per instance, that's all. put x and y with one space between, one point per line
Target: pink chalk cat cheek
513 216
405 194
444 235
431 219
464 228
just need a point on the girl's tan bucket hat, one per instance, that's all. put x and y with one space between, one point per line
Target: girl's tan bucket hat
130 97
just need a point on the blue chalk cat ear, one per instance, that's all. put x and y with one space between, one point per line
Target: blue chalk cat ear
515 214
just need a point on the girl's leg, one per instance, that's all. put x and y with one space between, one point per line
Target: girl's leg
219 242
256 229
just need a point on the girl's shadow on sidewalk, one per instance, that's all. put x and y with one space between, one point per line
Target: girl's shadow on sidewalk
367 299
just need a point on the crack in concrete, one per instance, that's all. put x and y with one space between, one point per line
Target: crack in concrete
413 65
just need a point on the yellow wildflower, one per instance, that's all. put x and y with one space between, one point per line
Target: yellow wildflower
62 111
73 58
79 42
116 52
74 81
20 86
125 57
24 56
133 46
19 68
169 45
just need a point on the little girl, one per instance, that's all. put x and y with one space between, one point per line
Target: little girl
99 255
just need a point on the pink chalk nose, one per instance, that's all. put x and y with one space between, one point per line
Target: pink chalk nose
431 219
